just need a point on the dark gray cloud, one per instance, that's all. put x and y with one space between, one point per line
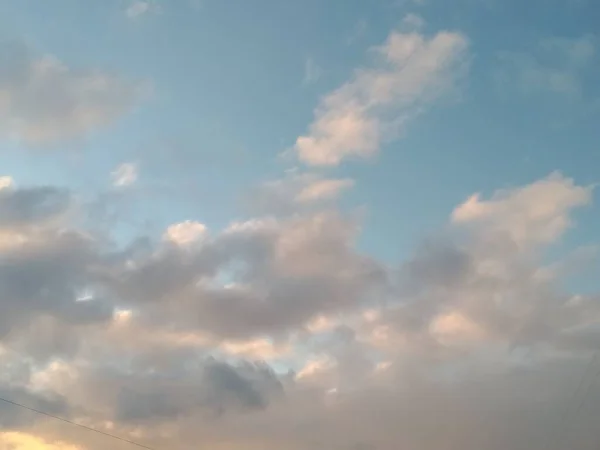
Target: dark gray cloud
246 386
31 206
197 386
47 278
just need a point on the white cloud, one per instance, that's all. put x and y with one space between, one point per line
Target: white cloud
185 233
358 32
299 190
325 189
124 175
454 328
353 121
6 182
260 349
537 213
42 100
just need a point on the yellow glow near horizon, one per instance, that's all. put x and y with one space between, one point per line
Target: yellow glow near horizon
25 441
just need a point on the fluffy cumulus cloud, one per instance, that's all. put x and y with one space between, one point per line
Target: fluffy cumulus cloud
410 71
42 100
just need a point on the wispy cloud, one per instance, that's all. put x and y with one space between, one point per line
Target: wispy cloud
45 101
410 72
312 71
358 32
139 8
299 190
555 65
124 175
413 22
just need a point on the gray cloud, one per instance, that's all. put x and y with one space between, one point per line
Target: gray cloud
281 277
45 101
27 206
13 417
478 346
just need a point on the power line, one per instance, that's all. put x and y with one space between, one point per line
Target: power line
585 396
579 397
37 411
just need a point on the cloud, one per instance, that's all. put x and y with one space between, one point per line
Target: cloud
298 190
13 417
43 264
323 190
413 21
556 65
185 233
124 175
268 276
6 182
43 276
464 344
577 52
411 71
537 213
312 72
43 101
139 8
358 32
21 208
219 388
489 283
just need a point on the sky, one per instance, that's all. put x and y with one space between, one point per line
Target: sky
289 225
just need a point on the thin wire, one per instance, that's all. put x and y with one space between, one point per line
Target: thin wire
578 398
584 398
10 402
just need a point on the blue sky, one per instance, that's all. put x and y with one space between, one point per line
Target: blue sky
370 194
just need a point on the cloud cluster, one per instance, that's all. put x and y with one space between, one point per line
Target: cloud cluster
469 341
